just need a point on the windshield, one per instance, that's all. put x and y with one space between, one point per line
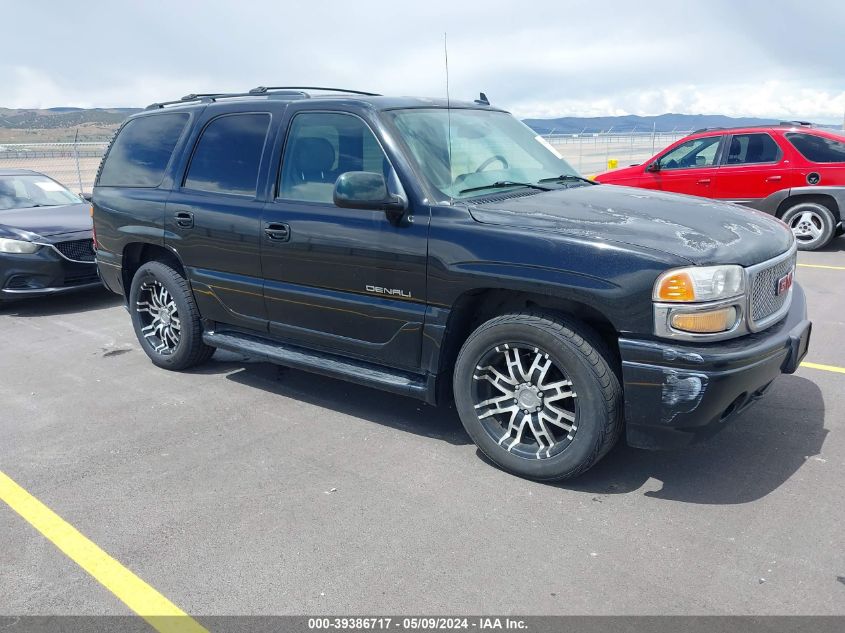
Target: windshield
33 190
488 149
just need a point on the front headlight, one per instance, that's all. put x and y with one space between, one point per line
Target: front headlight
17 246
700 283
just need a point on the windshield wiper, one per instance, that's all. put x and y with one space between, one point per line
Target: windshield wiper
499 184
567 178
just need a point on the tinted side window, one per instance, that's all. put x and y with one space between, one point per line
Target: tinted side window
752 148
228 153
699 152
818 149
142 150
320 147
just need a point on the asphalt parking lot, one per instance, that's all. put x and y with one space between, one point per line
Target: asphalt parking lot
243 488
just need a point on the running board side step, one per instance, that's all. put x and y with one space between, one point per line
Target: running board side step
351 370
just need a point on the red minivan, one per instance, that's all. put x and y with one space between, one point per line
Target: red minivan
792 171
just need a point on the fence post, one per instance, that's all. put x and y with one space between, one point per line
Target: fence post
653 132
76 154
580 152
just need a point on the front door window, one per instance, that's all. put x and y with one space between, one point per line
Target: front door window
699 152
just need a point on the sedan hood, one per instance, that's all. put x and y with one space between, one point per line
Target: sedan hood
46 221
700 230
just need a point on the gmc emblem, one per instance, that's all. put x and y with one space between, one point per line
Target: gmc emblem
784 283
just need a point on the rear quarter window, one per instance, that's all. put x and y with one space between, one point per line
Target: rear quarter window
142 150
818 149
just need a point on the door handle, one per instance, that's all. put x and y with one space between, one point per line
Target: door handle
184 219
277 231
773 178
704 181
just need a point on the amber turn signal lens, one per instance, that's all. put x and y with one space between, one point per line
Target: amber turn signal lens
677 287
709 322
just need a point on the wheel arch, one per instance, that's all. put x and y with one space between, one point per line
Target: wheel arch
825 199
136 254
474 307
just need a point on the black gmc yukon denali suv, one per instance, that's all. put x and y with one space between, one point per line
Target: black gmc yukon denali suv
444 252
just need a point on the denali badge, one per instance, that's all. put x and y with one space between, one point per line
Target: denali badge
784 283
389 291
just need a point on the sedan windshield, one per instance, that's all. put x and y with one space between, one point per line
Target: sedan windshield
33 190
466 153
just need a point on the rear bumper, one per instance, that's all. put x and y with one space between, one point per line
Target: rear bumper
676 393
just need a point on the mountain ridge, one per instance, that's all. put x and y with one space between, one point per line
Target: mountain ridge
66 123
627 123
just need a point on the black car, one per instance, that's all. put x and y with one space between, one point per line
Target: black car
443 250
46 244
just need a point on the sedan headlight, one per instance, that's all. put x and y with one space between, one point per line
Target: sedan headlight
17 246
700 283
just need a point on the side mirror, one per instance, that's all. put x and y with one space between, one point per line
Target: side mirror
87 196
655 166
365 190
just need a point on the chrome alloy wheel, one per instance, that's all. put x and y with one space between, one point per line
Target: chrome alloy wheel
160 323
524 401
807 226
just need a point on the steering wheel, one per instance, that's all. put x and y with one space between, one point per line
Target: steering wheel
491 160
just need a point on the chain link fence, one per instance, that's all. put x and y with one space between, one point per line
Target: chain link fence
590 153
75 164
72 164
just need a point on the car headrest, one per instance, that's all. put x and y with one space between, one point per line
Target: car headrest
736 147
314 155
755 149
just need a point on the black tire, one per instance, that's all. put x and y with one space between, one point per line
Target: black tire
188 349
578 355
813 224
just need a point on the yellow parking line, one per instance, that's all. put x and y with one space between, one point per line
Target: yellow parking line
822 266
838 370
158 611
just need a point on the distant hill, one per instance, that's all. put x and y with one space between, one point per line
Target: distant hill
62 117
627 123
51 125
28 125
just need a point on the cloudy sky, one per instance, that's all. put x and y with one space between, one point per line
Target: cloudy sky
771 58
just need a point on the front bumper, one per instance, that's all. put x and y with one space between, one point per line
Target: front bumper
678 393
44 272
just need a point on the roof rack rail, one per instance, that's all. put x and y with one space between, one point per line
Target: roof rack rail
260 90
203 96
293 91
761 125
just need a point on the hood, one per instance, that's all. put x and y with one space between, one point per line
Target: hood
623 173
697 229
46 221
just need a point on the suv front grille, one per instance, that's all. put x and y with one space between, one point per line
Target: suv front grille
77 250
765 302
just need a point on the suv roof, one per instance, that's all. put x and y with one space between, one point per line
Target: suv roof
295 93
770 126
